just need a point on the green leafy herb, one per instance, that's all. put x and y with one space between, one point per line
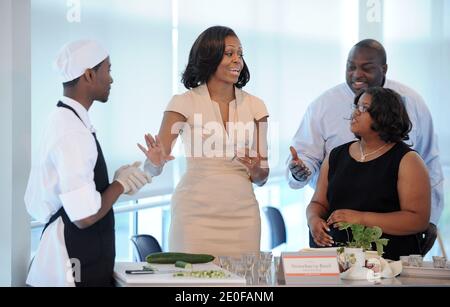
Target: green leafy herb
363 237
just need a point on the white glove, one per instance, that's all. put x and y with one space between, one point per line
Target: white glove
131 178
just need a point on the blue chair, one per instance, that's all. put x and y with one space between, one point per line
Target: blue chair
144 245
276 225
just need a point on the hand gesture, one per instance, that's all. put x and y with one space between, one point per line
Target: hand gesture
155 152
252 162
298 169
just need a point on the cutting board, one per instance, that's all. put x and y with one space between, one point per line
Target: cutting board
165 276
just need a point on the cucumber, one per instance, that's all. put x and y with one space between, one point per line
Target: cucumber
171 258
183 264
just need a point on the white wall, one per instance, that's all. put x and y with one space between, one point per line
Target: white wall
371 19
137 35
15 127
5 130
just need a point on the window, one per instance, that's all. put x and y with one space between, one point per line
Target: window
419 58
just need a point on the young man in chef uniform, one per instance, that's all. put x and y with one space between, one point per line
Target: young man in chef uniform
68 188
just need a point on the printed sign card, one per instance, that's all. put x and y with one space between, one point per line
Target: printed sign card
311 267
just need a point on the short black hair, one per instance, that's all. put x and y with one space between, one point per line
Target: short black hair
206 55
376 46
389 115
75 81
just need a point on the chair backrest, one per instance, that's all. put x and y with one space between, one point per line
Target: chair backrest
276 225
145 245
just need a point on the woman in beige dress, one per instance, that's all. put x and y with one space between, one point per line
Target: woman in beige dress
224 131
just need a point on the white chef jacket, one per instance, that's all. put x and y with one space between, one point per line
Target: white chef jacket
61 176
326 125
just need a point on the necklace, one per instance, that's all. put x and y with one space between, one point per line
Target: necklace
364 156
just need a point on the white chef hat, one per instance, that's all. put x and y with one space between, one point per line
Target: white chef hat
75 57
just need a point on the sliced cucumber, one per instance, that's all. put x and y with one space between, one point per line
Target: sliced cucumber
183 264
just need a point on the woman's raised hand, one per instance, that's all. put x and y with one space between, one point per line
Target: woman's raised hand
155 151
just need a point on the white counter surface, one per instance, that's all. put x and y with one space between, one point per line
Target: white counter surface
164 276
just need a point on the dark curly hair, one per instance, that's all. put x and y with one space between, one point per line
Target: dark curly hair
206 55
388 113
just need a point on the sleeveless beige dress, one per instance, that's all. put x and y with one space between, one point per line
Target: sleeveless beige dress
214 209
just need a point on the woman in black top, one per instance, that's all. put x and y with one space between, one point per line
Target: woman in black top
374 181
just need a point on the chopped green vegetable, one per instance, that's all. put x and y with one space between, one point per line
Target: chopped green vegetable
183 264
203 274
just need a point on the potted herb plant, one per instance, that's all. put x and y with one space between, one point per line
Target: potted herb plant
363 239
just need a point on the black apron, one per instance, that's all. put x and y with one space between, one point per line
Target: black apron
94 246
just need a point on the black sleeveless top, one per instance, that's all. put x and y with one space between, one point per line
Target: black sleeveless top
370 186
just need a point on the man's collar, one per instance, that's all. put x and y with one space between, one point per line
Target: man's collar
348 88
81 111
